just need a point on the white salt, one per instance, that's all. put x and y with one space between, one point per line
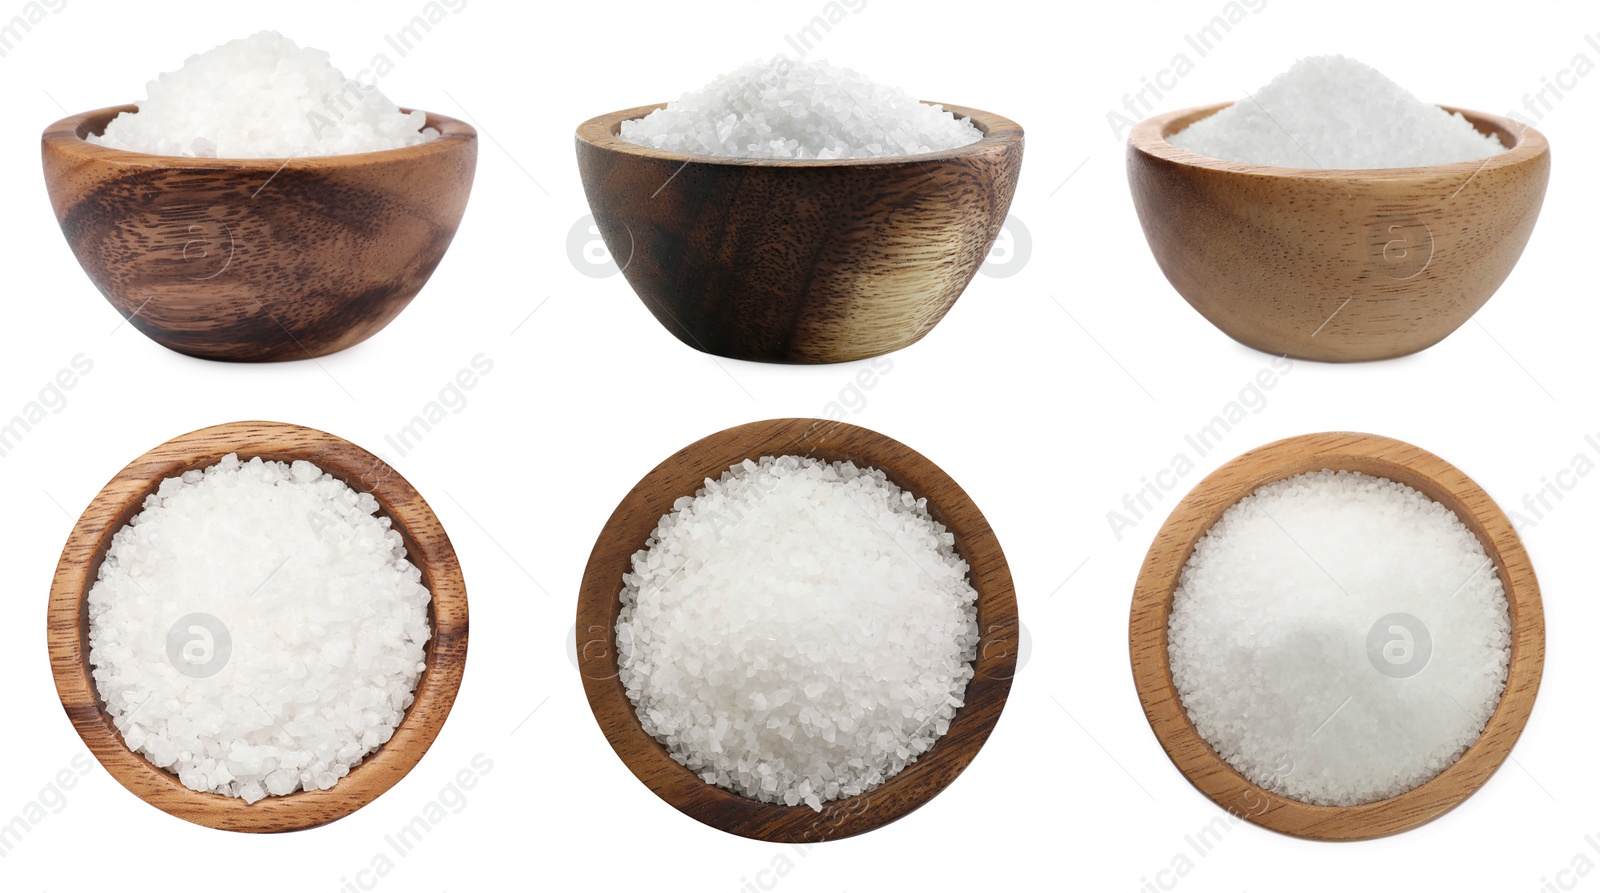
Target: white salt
263 97
257 628
1336 113
1339 638
784 109
798 631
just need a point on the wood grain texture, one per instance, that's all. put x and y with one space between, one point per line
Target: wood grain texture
682 474
258 259
819 261
1336 265
1204 505
426 544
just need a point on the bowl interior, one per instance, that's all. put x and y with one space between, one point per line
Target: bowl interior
681 475
433 695
94 123
1204 506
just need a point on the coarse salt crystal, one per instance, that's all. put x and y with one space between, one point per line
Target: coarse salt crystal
224 620
852 662
799 110
263 96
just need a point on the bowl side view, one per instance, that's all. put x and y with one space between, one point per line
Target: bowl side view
258 259
1336 265
426 545
802 261
1204 505
681 475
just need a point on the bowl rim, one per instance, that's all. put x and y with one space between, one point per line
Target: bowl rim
427 546
681 474
68 135
999 133
1199 510
1150 137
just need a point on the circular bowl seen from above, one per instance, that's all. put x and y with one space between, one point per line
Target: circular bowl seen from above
1204 506
427 547
682 474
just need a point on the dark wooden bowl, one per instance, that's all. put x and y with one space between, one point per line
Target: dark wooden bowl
1336 265
1152 608
819 261
682 474
258 259
427 547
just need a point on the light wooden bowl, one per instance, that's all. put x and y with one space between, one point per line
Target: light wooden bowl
427 547
1204 505
819 261
681 475
1336 265
258 259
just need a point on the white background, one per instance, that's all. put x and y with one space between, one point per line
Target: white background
1048 395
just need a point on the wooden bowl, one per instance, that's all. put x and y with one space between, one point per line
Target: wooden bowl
258 259
681 475
426 544
1204 505
1336 265
819 261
